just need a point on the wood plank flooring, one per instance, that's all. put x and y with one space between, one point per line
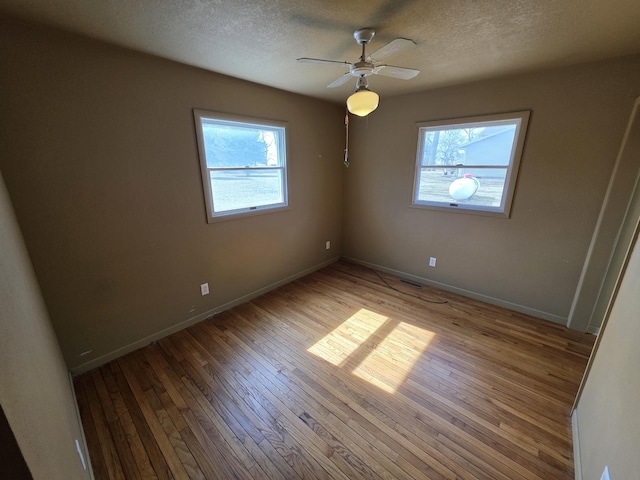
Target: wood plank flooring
337 376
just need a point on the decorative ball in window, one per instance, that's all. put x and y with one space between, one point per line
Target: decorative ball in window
464 188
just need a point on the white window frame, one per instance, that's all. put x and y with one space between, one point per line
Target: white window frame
280 131
521 120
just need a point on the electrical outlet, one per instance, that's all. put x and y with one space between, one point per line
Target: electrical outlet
327 245
204 289
432 261
605 474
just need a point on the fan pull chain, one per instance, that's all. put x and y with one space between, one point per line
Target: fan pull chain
346 145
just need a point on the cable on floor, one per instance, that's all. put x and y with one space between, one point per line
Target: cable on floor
436 302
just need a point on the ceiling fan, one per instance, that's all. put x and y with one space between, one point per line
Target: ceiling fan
364 101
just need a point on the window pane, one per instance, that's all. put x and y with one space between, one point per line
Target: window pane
237 189
446 185
240 146
482 145
470 163
243 163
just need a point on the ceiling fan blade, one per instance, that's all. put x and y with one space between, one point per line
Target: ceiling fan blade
397 72
340 80
323 62
391 48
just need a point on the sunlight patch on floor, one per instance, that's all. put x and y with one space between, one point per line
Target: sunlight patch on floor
374 348
337 346
391 361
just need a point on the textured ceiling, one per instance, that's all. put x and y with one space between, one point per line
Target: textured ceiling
457 40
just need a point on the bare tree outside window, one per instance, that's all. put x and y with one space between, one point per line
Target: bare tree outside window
243 164
469 164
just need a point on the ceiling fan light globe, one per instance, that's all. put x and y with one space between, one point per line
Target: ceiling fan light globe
363 102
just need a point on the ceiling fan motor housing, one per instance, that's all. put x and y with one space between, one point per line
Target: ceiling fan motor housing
360 69
364 35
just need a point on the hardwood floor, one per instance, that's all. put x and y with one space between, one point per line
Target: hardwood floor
336 376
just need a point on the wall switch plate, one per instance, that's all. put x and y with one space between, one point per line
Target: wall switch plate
605 474
432 261
328 245
204 289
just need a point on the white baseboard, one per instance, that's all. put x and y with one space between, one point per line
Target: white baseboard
593 330
467 293
577 463
107 357
82 439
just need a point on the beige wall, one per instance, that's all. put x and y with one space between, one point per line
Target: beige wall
35 392
533 260
625 182
608 411
100 159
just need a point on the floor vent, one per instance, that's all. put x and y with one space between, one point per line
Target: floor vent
409 282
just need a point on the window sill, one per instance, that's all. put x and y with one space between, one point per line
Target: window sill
465 209
245 214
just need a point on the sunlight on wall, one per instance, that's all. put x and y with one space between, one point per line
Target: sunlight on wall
337 346
375 348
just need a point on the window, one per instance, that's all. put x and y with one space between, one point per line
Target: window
243 163
469 164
